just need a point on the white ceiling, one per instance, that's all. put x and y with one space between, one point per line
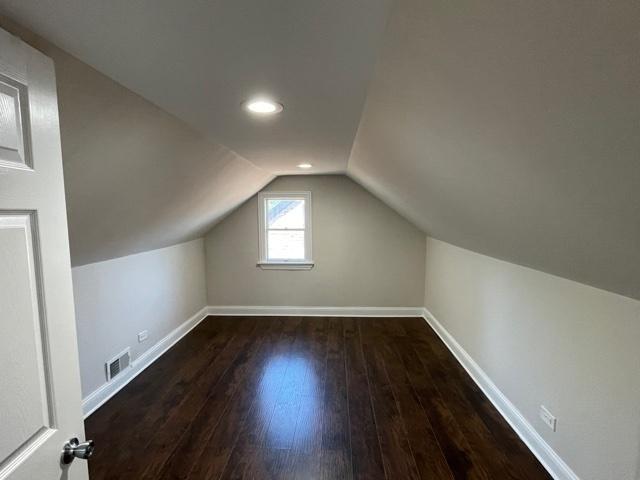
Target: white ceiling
136 178
508 128
201 59
513 129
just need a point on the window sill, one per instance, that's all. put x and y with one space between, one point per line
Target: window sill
286 265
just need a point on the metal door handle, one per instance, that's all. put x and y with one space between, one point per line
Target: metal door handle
74 449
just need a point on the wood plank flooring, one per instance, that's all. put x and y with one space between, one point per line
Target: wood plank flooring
306 398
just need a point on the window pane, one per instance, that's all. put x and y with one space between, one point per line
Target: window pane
283 213
285 245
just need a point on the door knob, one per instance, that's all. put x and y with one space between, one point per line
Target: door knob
74 449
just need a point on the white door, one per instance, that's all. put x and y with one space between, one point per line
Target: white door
39 375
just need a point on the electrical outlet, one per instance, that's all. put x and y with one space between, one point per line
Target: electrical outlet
548 418
143 335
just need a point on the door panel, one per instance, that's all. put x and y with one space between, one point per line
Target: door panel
40 405
14 124
24 407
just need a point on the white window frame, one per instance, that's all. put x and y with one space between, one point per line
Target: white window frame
284 264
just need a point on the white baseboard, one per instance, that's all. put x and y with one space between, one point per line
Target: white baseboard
558 469
103 393
284 311
99 396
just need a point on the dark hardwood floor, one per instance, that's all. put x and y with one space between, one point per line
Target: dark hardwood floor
306 398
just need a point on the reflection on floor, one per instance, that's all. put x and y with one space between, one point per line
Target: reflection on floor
306 398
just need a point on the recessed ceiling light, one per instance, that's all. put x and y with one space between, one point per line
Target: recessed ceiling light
263 106
305 165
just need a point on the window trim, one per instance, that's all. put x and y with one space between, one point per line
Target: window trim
282 264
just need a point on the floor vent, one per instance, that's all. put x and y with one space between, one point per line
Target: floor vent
118 364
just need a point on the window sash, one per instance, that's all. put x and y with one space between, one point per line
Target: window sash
290 258
264 228
286 229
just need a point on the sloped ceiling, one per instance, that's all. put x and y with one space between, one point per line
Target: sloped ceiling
199 60
508 128
136 177
513 129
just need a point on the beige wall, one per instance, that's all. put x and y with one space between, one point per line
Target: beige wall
155 291
510 128
136 177
365 253
546 340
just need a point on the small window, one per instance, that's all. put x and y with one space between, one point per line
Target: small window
285 230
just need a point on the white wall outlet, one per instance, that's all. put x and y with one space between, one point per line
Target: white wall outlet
143 335
548 418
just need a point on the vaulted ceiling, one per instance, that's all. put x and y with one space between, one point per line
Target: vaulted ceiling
199 60
513 129
508 128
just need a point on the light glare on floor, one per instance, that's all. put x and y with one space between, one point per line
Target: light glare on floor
304 165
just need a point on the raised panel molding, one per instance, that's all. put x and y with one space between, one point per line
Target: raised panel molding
25 396
15 143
